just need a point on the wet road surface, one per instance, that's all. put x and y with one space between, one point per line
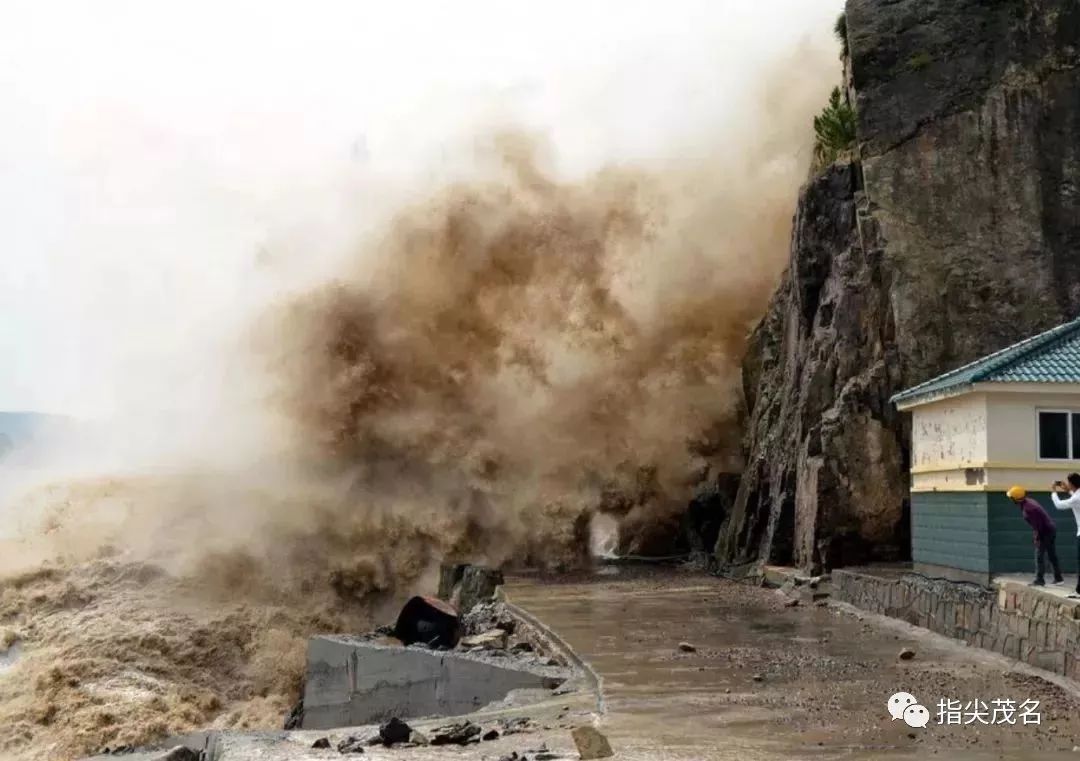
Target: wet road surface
773 682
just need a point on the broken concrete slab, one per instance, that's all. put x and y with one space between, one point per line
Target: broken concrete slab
493 639
351 682
462 733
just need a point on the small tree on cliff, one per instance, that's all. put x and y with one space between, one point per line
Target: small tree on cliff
834 130
840 30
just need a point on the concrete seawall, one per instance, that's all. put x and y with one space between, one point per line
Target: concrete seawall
1018 621
351 682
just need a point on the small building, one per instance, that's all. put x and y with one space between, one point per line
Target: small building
1012 417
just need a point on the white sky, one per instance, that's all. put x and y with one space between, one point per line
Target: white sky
149 150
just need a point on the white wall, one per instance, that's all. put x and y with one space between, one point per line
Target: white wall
949 433
1013 431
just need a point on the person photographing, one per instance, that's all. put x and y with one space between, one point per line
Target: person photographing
1044 535
1071 487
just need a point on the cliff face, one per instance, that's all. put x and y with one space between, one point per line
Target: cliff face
957 233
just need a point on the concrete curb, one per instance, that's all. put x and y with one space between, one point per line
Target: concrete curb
557 643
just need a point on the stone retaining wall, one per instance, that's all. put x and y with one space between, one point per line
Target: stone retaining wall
1015 620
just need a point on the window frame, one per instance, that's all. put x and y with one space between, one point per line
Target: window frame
1069 413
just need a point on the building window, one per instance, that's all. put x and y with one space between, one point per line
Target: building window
1059 435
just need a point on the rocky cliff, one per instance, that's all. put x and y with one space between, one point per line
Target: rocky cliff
957 231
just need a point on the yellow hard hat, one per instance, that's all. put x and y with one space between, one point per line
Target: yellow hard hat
1016 492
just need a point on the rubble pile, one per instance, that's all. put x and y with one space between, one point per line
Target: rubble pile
397 733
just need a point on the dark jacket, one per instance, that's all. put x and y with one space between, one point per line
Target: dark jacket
1037 517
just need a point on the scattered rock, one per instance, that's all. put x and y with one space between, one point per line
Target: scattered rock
758 678
792 603
491 734
486 616
295 719
515 725
462 733
590 743
180 753
352 744
906 654
492 639
322 742
417 738
686 647
394 731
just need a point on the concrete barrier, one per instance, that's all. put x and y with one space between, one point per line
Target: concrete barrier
351 682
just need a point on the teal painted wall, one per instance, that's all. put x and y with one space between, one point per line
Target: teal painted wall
1011 550
950 529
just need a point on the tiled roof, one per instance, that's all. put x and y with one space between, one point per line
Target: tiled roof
1050 357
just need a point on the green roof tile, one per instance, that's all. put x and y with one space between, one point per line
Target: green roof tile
1050 357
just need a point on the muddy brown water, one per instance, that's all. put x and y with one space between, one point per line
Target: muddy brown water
773 682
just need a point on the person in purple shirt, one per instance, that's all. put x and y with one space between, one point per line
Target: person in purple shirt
1045 535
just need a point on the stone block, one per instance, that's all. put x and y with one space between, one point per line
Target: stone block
1060 636
1051 660
1073 669
1024 649
1039 608
1010 647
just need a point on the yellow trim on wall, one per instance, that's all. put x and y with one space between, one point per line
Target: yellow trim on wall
1058 465
979 487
